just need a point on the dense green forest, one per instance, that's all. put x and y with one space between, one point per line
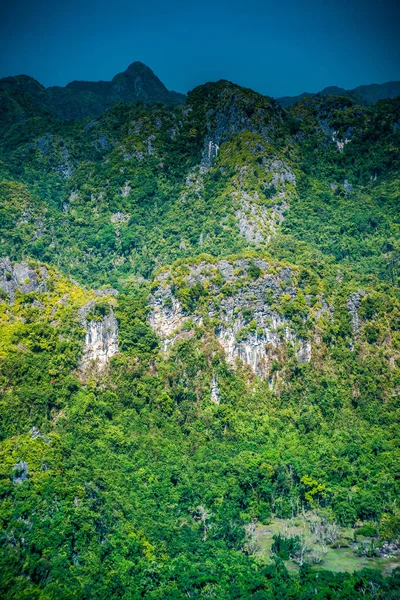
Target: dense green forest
199 346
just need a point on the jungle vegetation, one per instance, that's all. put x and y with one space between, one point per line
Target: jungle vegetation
130 482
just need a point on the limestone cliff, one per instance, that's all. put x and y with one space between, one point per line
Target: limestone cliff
244 299
101 338
21 277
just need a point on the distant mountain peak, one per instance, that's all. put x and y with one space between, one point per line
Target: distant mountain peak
139 69
138 83
139 66
363 94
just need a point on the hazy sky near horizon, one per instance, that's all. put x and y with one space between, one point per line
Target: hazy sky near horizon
277 48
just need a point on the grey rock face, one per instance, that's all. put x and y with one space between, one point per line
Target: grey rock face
304 352
35 434
102 141
250 328
44 143
21 277
126 190
281 172
225 123
56 151
119 218
347 186
21 472
230 117
328 131
214 391
167 316
256 222
101 339
353 303
252 220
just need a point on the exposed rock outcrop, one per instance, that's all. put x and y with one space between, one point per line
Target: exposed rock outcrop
21 472
167 317
242 297
101 339
256 221
56 153
214 391
21 277
353 304
35 434
235 111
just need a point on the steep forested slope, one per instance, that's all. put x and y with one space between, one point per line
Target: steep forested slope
199 335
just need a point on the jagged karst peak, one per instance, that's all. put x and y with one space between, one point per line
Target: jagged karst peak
138 83
139 67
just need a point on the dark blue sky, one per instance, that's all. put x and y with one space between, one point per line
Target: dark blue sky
277 48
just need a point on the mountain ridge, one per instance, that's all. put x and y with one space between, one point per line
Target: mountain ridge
80 99
138 83
363 94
